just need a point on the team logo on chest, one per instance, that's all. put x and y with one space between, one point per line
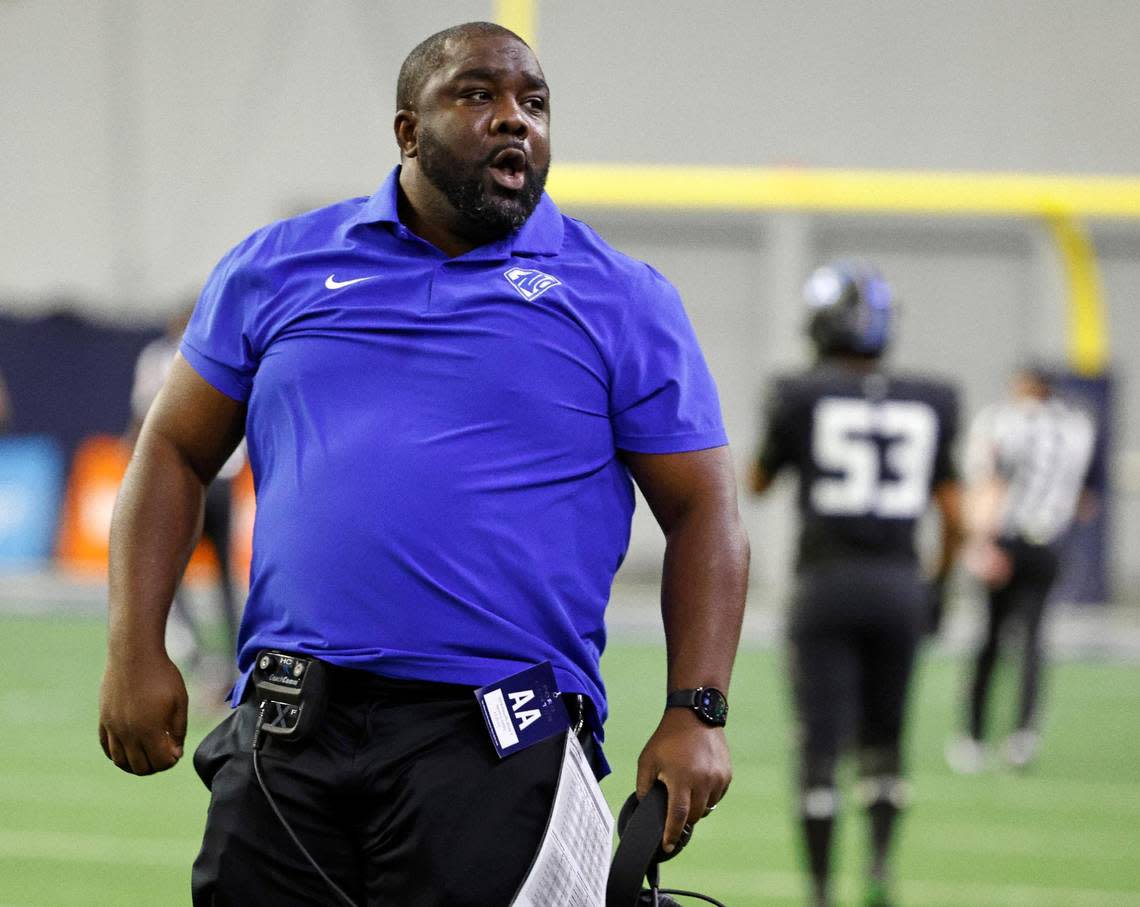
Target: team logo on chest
529 283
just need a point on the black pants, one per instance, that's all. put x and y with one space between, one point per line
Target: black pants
1024 598
398 794
853 632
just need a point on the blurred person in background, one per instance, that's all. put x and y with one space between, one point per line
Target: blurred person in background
449 390
184 634
1027 464
871 449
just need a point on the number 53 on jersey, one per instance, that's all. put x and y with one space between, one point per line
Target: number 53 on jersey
875 457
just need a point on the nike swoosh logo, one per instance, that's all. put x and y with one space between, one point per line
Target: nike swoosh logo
333 284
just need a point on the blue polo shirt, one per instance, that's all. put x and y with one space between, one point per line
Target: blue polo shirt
434 440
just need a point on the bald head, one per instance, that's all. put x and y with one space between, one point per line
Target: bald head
429 54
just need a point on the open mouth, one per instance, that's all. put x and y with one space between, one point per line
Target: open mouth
508 168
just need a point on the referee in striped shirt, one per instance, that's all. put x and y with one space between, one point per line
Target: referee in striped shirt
1027 465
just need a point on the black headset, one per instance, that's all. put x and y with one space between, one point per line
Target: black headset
640 825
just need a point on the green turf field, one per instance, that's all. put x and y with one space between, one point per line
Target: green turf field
76 831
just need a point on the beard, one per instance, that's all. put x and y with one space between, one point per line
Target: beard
491 214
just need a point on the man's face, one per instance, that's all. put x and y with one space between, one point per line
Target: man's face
483 137
1028 385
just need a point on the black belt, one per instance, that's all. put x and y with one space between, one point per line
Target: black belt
354 683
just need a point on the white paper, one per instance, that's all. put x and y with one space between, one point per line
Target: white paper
573 861
501 719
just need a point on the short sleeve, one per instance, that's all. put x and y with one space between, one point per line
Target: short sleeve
662 398
779 430
217 341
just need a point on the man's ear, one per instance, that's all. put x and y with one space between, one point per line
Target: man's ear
406 127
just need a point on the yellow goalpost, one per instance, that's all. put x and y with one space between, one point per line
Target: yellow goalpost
1064 202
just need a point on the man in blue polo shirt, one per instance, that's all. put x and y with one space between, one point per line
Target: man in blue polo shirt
446 389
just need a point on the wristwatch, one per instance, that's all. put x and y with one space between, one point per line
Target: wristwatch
709 703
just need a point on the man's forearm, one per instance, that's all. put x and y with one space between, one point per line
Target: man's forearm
156 524
948 498
703 588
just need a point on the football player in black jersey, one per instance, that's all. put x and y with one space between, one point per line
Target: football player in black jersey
872 449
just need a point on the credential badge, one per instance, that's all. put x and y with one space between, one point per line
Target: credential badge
530 283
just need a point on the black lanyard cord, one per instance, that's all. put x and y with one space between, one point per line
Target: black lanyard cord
284 824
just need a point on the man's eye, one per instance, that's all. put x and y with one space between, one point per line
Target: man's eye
478 95
536 103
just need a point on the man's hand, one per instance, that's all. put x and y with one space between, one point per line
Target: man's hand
989 562
142 714
692 760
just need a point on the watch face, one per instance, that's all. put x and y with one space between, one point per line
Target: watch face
712 705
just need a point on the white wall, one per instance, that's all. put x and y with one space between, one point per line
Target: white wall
151 136
975 84
141 138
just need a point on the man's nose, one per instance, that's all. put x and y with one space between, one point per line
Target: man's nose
509 119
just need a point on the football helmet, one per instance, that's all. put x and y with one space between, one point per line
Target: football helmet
850 309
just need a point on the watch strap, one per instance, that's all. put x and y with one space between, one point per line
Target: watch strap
682 699
698 700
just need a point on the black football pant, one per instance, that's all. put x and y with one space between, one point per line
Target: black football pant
853 633
398 794
1023 598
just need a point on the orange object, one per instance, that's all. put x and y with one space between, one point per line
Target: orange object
241 537
97 471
